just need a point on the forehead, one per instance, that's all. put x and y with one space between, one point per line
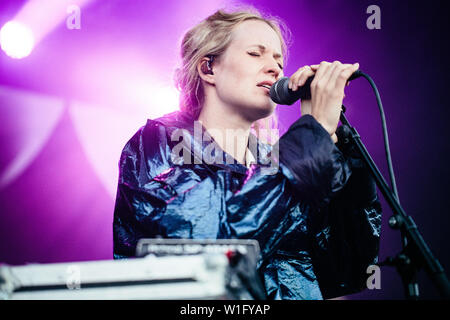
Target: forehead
255 32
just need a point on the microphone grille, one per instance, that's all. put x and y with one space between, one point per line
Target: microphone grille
276 90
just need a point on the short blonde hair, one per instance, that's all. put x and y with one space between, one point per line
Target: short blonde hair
211 37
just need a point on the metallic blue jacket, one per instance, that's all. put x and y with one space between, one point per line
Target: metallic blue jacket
317 218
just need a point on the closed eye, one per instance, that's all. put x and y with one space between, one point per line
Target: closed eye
255 54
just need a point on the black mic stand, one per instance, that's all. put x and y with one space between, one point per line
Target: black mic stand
415 253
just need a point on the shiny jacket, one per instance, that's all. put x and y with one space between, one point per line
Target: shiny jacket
315 214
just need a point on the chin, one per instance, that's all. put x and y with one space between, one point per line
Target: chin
260 112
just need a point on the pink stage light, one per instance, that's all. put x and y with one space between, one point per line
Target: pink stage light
16 39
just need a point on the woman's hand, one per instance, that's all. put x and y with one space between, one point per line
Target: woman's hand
327 91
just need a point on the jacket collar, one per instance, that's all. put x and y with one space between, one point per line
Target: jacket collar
203 149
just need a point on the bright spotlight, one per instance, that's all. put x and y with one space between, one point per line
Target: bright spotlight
16 39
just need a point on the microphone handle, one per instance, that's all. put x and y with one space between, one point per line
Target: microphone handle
304 92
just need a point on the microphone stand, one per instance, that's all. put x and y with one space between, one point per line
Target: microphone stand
415 253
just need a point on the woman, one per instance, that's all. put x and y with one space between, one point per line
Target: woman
314 209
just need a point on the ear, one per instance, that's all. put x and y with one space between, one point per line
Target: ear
206 73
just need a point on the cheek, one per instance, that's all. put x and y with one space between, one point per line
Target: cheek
236 79
241 71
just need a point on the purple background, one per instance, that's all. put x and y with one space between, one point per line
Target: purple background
69 107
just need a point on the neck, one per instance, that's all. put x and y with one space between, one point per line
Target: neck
227 128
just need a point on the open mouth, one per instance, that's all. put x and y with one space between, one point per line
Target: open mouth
266 87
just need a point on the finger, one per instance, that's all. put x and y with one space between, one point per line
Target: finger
293 80
338 72
322 79
342 78
301 78
326 78
305 76
357 67
323 67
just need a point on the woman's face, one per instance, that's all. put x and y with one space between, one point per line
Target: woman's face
253 56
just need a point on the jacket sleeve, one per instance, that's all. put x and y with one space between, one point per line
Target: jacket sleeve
345 215
311 170
312 163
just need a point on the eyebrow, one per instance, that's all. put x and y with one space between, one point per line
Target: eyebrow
263 48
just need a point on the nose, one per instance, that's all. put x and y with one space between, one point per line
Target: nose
273 69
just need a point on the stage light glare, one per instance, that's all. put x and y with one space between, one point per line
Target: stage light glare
166 97
16 39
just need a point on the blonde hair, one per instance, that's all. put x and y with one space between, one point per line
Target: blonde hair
211 37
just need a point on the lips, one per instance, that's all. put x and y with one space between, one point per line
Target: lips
266 89
265 84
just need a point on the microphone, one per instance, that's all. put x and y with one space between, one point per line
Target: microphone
281 94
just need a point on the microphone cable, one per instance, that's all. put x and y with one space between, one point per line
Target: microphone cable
385 133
